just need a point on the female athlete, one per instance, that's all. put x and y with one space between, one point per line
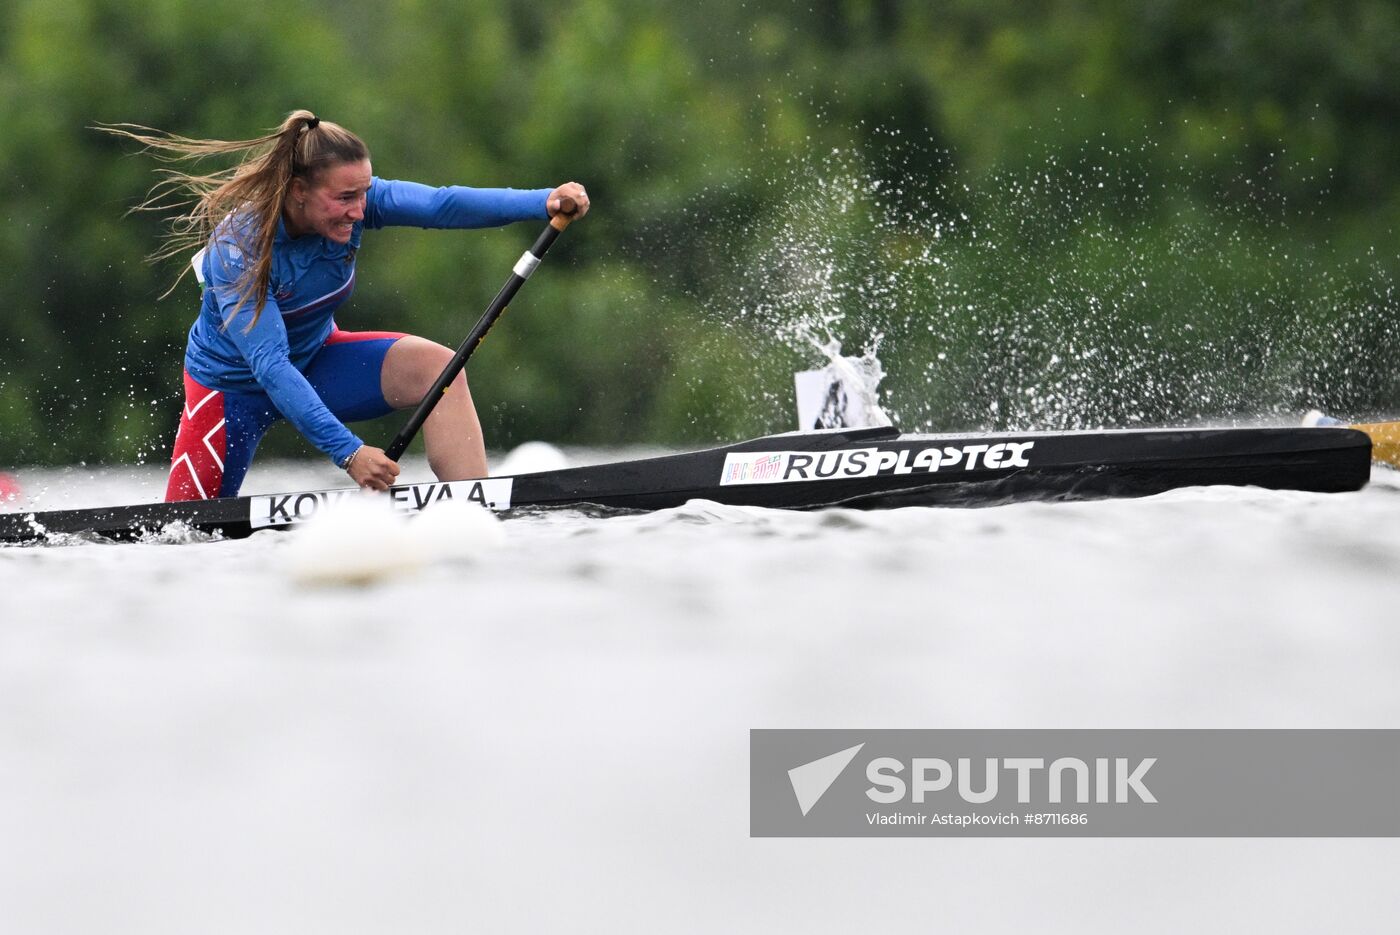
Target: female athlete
279 234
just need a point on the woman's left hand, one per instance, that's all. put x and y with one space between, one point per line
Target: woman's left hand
575 193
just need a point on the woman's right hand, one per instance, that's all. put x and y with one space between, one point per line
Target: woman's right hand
570 193
372 469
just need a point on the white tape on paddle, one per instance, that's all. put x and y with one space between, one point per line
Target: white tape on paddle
526 264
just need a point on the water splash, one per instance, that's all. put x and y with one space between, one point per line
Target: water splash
1069 293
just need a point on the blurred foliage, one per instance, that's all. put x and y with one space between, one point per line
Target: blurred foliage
1084 212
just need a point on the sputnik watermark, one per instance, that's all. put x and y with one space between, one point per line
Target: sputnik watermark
1181 783
933 774
811 780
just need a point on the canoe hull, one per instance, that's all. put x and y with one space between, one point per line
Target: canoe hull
863 468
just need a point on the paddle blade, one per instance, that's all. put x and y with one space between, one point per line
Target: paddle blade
1385 441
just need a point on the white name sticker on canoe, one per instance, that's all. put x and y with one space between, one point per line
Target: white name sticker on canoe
283 509
786 467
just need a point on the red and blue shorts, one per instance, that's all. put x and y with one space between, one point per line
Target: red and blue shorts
220 430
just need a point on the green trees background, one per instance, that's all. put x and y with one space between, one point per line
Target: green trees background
1042 215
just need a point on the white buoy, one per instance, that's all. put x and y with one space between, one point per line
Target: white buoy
456 529
531 458
360 541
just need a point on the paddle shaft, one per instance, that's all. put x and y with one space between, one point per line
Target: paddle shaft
523 268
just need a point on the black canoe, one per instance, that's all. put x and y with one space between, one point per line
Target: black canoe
859 468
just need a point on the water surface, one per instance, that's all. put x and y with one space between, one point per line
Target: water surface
554 736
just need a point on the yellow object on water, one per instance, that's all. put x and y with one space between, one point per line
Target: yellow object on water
1385 441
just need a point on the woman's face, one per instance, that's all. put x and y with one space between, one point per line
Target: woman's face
332 204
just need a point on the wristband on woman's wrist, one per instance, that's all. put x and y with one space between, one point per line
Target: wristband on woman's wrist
350 460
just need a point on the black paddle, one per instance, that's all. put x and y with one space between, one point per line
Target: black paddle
523 268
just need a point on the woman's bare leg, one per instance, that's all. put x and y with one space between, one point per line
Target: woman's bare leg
452 434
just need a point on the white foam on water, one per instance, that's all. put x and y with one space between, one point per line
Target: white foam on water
456 530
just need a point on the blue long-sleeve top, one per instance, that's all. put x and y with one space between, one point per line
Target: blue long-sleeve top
310 277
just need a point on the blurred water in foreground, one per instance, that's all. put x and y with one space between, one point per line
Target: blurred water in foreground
554 737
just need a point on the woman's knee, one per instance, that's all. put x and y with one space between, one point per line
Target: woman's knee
411 368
